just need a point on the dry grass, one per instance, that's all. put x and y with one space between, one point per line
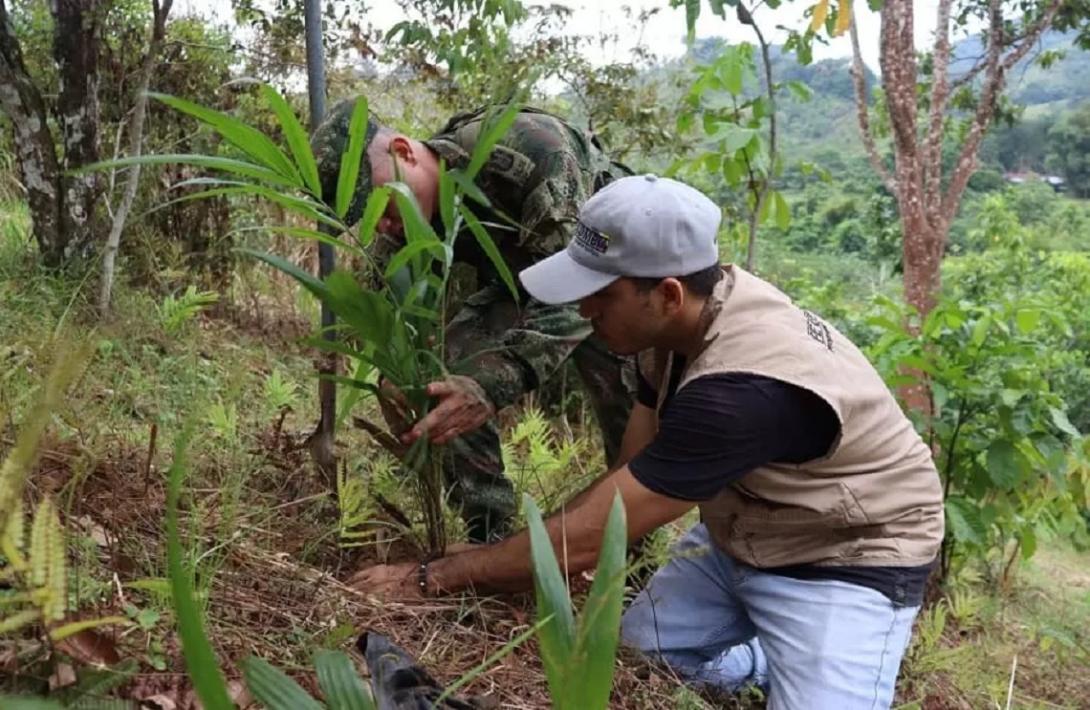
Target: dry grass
263 600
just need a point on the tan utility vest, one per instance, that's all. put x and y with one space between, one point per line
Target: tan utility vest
873 499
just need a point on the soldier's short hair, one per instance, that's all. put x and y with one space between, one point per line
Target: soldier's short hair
329 142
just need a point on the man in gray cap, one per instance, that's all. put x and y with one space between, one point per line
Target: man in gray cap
821 509
538 174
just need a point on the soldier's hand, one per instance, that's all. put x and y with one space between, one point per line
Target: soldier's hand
463 407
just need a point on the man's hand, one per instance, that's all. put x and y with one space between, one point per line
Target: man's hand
399 581
463 407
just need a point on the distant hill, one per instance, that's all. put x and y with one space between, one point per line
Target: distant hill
1067 81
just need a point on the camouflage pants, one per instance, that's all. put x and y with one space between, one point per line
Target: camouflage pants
545 338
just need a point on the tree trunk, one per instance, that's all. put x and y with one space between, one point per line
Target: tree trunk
75 49
136 137
21 100
62 207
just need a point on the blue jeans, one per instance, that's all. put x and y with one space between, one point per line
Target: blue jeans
813 644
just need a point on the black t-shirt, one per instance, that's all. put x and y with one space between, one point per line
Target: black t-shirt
721 427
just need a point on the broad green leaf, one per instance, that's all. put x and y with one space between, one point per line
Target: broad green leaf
412 219
305 279
557 637
735 137
783 212
732 71
964 520
246 138
341 684
470 188
939 397
685 122
301 207
733 171
491 251
274 689
1028 538
717 6
916 362
200 660
1027 319
447 196
410 251
1010 397
980 330
803 93
227 165
1003 465
345 404
819 13
600 620
493 129
368 312
372 213
349 172
762 213
1061 421
297 139
310 234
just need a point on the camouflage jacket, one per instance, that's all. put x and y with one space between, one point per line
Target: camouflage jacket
537 177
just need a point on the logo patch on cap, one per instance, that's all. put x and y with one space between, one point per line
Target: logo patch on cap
593 241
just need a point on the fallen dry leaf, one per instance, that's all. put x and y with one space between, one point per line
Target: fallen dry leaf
90 647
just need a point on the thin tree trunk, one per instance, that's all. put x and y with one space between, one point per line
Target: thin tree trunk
762 196
136 137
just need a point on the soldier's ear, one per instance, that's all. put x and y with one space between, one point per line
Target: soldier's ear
401 148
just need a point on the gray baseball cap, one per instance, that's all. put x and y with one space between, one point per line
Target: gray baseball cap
643 226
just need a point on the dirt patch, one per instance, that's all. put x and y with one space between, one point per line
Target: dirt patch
264 601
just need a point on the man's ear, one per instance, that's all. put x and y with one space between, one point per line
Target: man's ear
401 148
672 294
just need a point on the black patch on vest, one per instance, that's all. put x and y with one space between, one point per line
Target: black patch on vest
817 330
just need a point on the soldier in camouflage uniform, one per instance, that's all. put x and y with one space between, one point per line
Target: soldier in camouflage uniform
539 174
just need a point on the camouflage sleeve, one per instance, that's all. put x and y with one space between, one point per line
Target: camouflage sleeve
551 208
512 359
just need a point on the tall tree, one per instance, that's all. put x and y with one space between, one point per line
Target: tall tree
927 199
62 204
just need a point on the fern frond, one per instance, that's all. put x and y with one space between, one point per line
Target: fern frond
48 566
68 363
13 539
19 620
39 545
56 568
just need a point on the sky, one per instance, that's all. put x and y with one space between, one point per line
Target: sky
665 34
